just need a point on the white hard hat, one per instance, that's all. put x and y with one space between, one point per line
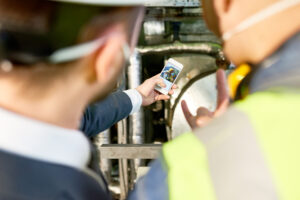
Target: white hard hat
106 2
60 42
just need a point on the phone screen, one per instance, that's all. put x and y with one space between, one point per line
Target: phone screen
169 75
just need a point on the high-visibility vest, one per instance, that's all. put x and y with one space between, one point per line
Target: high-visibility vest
275 116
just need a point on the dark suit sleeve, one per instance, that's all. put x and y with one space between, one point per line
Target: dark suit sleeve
102 115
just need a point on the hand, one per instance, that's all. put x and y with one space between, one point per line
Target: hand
204 116
149 94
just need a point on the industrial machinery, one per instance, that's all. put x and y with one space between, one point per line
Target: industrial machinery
171 29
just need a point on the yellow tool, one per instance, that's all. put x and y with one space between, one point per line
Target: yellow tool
236 77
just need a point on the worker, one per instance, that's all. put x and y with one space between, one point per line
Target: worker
55 58
250 150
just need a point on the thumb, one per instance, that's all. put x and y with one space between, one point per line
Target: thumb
160 82
223 95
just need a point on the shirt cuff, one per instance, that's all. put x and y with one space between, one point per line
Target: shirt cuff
135 98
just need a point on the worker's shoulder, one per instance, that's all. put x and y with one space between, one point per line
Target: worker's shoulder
257 114
45 180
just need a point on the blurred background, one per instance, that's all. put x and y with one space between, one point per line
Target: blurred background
171 29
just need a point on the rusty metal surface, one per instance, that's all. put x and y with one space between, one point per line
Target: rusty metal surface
130 151
197 86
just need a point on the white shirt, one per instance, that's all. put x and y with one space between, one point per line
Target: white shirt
41 141
46 142
135 98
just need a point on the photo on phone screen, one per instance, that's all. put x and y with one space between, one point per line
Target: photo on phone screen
169 74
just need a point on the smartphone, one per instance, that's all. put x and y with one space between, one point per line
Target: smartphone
169 74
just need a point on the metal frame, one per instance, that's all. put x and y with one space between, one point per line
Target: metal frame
130 151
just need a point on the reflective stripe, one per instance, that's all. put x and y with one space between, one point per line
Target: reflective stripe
275 116
188 174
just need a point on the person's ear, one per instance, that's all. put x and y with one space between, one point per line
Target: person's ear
109 59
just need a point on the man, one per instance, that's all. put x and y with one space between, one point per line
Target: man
57 57
250 151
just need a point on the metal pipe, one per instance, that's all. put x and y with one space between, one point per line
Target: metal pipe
136 120
123 139
105 164
178 47
130 151
123 165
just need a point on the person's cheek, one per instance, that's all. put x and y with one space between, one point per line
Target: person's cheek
210 16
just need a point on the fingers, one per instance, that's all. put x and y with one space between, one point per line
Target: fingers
155 80
222 107
156 76
174 87
171 92
204 116
188 115
160 82
221 86
186 110
223 95
162 97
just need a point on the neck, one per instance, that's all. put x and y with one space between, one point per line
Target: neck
60 106
261 40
